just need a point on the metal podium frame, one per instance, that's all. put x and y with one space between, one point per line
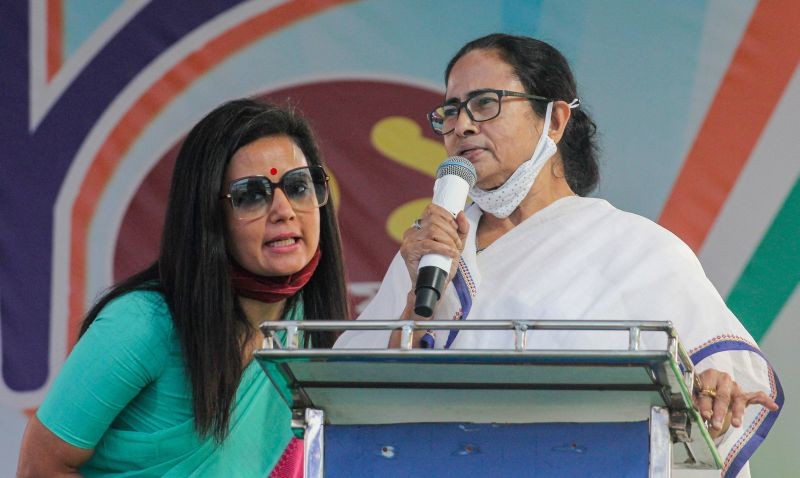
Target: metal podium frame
318 384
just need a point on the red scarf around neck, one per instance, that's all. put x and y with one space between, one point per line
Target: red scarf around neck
271 289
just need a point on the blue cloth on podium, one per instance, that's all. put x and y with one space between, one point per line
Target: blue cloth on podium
619 450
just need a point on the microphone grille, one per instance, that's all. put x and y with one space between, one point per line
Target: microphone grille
458 166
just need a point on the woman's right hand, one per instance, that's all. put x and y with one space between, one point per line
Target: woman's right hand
439 233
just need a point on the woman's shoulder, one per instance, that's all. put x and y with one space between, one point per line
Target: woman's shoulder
141 299
635 229
140 315
635 223
140 303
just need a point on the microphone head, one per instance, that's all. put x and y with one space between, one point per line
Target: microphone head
458 166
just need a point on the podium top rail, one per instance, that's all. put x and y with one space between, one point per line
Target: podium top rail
295 331
343 325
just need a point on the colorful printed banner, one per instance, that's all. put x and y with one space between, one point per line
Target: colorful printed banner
696 102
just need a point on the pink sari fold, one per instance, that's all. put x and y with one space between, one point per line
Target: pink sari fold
290 464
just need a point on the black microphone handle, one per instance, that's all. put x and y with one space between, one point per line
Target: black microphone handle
430 280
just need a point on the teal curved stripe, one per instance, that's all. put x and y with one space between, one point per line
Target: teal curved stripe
773 272
82 18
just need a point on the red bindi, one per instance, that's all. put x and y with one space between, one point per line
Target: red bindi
273 171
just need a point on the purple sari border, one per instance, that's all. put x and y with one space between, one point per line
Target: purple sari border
743 450
465 290
462 290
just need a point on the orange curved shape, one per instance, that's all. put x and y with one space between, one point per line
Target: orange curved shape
55 37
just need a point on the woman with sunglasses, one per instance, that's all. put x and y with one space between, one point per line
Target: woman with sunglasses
533 246
162 381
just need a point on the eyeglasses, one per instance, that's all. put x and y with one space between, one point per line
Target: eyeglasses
481 105
306 188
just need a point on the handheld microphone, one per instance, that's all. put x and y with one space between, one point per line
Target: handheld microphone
454 178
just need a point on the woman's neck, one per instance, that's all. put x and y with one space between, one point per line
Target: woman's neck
550 186
257 311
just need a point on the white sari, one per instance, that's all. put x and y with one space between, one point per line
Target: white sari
583 259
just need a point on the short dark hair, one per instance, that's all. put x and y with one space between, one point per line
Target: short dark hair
193 275
544 71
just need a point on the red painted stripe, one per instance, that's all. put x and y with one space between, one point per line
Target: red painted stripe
142 112
760 70
55 37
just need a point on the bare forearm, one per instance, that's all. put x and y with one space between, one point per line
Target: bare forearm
48 473
43 454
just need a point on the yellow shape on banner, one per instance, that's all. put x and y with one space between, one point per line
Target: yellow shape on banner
401 218
400 139
333 186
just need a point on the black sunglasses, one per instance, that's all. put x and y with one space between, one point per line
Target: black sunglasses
306 188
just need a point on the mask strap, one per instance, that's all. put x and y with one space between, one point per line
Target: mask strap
546 128
574 103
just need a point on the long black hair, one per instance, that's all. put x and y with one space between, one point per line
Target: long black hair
193 275
544 71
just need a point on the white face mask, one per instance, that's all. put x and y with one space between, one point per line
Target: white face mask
501 202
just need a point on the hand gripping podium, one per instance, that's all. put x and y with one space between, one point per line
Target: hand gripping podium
616 412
